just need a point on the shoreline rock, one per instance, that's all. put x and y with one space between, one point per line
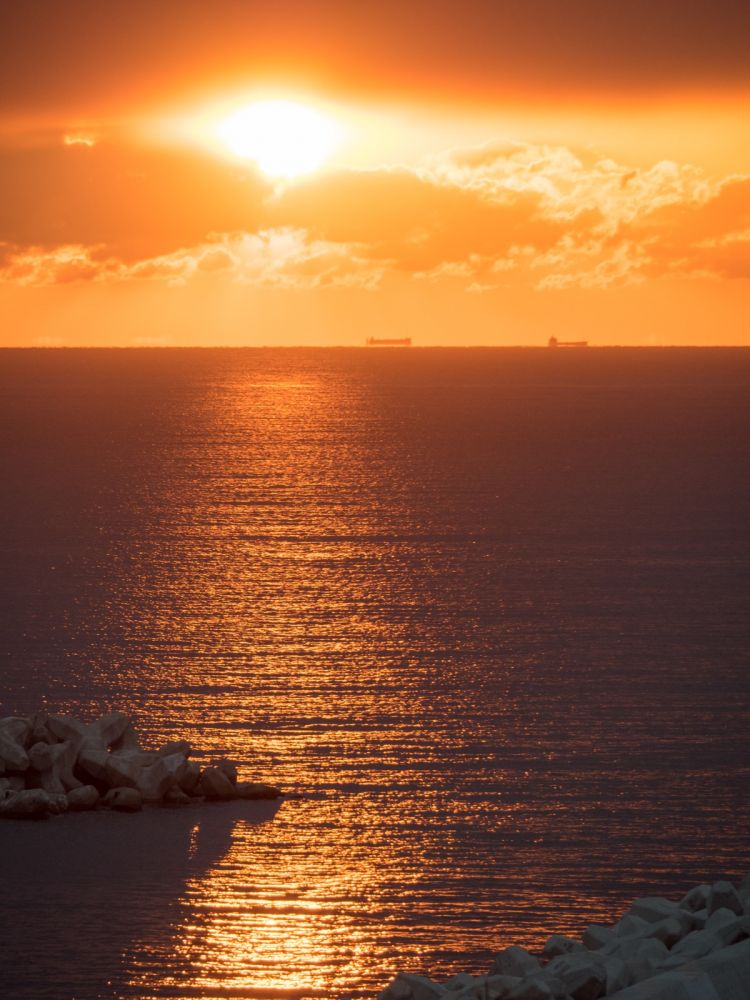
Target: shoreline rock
52 763
660 949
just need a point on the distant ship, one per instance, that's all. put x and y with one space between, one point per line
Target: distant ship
554 342
388 342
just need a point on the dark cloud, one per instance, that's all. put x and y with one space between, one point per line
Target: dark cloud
85 53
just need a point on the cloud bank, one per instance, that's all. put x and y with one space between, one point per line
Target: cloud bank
508 214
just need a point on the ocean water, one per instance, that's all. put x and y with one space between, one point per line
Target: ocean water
484 611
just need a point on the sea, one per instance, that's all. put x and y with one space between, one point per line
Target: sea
481 613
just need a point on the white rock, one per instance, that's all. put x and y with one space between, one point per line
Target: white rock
127 740
176 797
141 758
696 899
12 753
228 767
410 987
584 976
16 728
631 926
724 975
618 976
177 765
39 732
58 802
498 987
460 981
176 746
723 895
653 908
596 936
121 772
190 778
124 799
256 790
648 957
154 782
85 797
514 961
558 944
531 989
99 735
214 784
32 803
54 764
94 764
719 918
670 931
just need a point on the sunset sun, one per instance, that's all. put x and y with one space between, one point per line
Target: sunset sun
284 138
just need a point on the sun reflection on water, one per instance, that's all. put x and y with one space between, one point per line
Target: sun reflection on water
349 573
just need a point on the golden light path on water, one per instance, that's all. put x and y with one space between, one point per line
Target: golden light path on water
349 573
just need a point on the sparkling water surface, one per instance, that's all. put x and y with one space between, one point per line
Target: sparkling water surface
486 611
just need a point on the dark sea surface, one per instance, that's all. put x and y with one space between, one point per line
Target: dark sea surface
486 610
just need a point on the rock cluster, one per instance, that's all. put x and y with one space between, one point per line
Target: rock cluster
659 950
51 763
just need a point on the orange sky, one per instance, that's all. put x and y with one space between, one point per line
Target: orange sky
504 172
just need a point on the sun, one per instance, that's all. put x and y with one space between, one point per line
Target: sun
284 138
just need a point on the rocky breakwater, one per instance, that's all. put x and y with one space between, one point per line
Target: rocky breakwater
697 948
50 764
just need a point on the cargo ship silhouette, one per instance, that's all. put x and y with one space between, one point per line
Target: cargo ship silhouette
388 342
554 342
